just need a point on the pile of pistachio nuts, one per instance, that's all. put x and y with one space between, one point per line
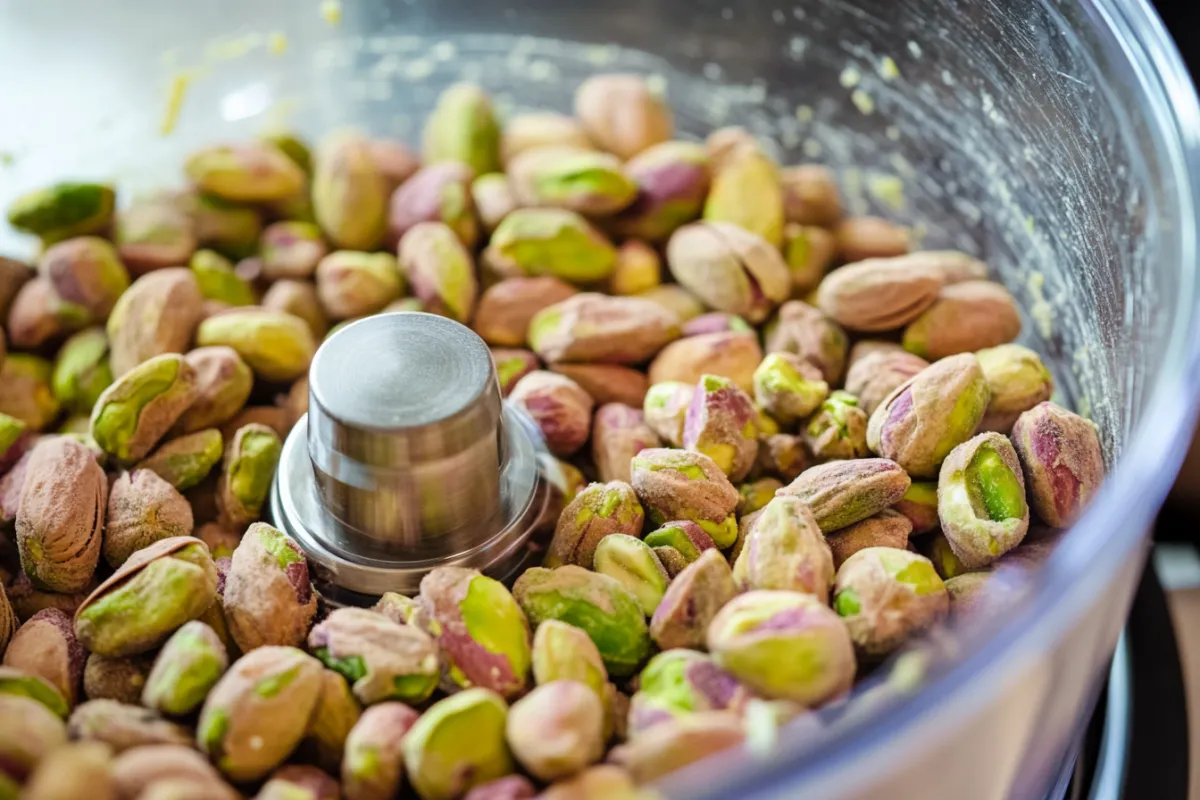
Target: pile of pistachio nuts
794 448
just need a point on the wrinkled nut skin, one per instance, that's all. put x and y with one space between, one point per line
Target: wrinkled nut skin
436 193
633 564
786 550
746 192
966 317
355 284
440 270
115 620
732 355
256 714
619 433
721 423
565 652
811 195
300 299
268 598
981 500
85 272
253 172
788 387
336 714
665 410
480 628
120 679
672 182
841 493
539 129
886 597
804 330
142 509
691 602
188 666
874 376
157 315
140 770
930 414
729 268
1017 381
138 409
679 742
25 390
223 384
506 308
878 294
809 252
1062 460
437 765
463 128
684 485
45 647
784 646
620 114
290 250
597 604
373 765
681 682
123 726
838 429
382 660
81 370
187 460
580 180
550 241
60 515
608 383
597 511
349 193
246 474
860 238
559 407
493 198
592 327
555 731
35 318
512 364
888 528
919 506
28 733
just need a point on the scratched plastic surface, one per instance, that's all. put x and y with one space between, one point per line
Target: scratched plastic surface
1056 139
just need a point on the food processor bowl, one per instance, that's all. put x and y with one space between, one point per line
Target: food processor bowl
1056 139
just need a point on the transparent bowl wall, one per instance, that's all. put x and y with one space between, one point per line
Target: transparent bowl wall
1055 139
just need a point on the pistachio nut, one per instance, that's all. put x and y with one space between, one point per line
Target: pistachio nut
63 210
732 355
788 387
879 294
781 455
838 430
809 252
679 682
684 537
550 241
947 564
13 275
27 599
635 566
592 327
786 550
510 787
140 771
931 413
754 495
395 160
888 528
607 781
81 370
382 660
919 506
188 666
45 647
493 199
559 407
28 733
716 322
665 410
157 315
746 192
676 299
253 172
672 182
276 418
841 493
861 238
887 596
16 682
223 384
556 730
565 652
153 234
115 620
595 603
512 364
137 410
506 308
85 272
438 765
436 193
276 346
329 727
691 602
608 383
373 765
638 268
38 316
124 726
300 299
291 250
685 485
257 712
185 461
619 433
620 114
8 619
804 330
538 129
354 284
1017 381
1062 459
440 270
228 228
981 499
811 195
78 769
120 679
463 129
142 509
581 180
15 440
677 743
481 630
268 599
299 782
26 393
350 195
729 268
598 511
966 316
874 376
60 515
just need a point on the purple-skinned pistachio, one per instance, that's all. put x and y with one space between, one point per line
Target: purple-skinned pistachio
981 500
716 322
46 647
505 308
560 408
693 599
245 173
85 272
754 495
581 180
804 330
678 743
557 730
685 537
873 377
721 423
619 433
672 180
679 682
597 511
840 493
510 787
373 766
436 193
786 550
267 595
493 199
788 387
1062 460
634 565
382 660
684 485
781 455
291 250
838 429
440 270
152 235
142 508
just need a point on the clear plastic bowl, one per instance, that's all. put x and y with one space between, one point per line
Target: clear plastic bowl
1059 140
